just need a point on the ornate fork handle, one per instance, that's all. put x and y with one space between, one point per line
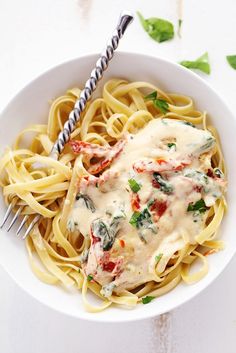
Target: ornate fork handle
90 85
75 114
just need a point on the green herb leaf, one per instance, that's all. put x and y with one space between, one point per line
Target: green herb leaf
89 278
134 219
107 231
152 96
79 270
147 299
157 28
218 173
201 64
171 144
232 61
198 206
158 257
134 186
161 104
87 201
141 219
164 185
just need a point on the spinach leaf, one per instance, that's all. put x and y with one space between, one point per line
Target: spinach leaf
202 64
161 104
147 299
198 206
232 61
207 145
87 200
165 186
143 221
134 186
157 28
107 231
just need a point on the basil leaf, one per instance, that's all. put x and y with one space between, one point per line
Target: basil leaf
160 103
152 96
157 28
198 206
158 257
89 278
134 186
201 64
232 61
147 299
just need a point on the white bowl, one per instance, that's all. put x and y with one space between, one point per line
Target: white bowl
31 106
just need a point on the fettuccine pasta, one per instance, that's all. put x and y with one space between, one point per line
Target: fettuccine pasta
135 199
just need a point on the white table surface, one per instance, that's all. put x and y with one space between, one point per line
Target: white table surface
36 35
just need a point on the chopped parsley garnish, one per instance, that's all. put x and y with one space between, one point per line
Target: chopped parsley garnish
134 219
202 64
232 61
89 278
147 299
159 103
141 219
198 206
170 145
158 257
157 28
79 270
134 186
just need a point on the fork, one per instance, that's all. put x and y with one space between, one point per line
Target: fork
74 116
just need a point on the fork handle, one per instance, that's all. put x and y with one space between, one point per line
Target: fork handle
90 85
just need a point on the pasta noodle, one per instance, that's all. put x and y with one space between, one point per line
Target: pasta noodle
49 188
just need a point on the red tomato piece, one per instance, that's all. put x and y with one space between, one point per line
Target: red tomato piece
159 207
108 266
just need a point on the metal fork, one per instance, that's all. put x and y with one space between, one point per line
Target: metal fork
74 117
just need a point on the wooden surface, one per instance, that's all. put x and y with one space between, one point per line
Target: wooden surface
36 35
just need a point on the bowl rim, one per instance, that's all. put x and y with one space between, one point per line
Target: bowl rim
94 317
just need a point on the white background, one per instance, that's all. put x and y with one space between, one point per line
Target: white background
36 35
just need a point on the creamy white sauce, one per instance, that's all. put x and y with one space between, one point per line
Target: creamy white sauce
133 255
